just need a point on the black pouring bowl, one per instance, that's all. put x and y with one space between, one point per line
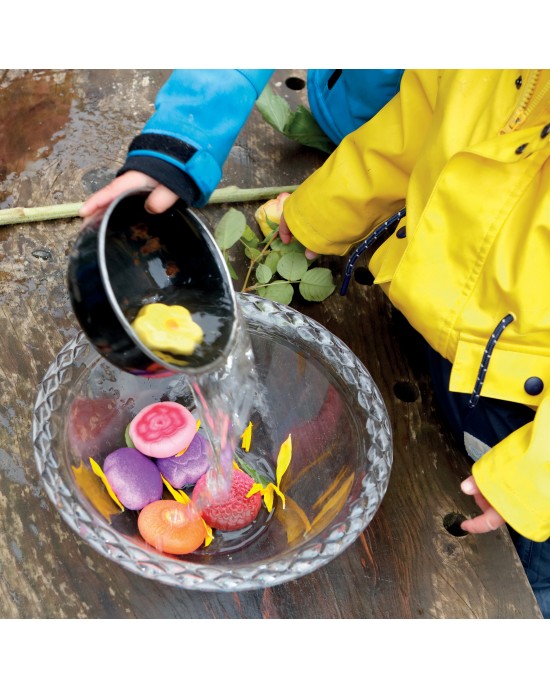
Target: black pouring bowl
125 258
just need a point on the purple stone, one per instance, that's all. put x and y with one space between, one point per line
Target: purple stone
187 468
134 477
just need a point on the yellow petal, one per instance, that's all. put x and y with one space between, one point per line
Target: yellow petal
209 537
281 495
256 487
333 504
247 437
178 495
294 521
94 491
96 468
268 496
283 460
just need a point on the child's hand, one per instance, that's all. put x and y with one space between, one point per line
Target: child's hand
286 237
159 200
489 520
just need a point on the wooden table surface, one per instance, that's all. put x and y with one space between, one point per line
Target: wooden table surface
63 134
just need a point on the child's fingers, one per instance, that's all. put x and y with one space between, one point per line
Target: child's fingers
489 520
160 199
284 232
102 198
469 486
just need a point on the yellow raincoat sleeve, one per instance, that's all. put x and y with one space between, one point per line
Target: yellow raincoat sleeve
505 476
365 180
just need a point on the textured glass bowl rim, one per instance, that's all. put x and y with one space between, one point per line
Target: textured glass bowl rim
301 560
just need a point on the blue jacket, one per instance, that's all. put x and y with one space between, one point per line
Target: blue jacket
200 112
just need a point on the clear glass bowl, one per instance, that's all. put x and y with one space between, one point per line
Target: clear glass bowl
318 391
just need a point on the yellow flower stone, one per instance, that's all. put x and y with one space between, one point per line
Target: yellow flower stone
167 328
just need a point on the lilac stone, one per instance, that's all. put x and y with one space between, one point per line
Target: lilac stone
134 477
187 468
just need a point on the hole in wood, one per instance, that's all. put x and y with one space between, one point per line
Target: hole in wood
295 83
452 524
406 391
363 276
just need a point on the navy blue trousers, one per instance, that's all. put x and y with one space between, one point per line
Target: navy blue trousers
477 429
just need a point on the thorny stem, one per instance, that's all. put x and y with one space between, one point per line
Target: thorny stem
253 261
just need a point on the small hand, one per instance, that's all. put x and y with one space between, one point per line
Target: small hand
159 200
286 237
489 520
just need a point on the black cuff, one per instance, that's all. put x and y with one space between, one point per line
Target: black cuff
166 174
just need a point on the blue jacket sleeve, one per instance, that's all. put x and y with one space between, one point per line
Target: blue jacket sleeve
198 115
341 100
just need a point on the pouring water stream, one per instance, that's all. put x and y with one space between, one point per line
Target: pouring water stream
224 398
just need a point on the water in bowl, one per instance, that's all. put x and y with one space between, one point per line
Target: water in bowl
224 396
319 392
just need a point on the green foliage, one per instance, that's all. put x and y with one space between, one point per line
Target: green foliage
252 472
230 229
275 266
299 125
317 284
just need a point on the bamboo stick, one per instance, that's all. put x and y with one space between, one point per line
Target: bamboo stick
229 194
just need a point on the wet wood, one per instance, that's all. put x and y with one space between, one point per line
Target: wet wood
405 565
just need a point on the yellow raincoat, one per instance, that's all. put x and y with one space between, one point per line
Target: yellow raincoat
467 153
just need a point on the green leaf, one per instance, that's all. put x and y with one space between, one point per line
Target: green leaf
296 246
277 245
303 128
230 228
290 248
249 238
317 284
252 472
282 292
263 274
274 109
269 236
272 259
299 125
273 226
231 269
252 253
292 266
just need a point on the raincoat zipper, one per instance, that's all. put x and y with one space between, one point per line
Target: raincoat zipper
527 104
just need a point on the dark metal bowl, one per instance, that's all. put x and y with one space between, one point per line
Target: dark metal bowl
127 257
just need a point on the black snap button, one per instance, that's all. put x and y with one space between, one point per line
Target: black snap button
545 131
533 386
401 232
519 81
521 148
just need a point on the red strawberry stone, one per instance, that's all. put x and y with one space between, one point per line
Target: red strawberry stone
236 510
